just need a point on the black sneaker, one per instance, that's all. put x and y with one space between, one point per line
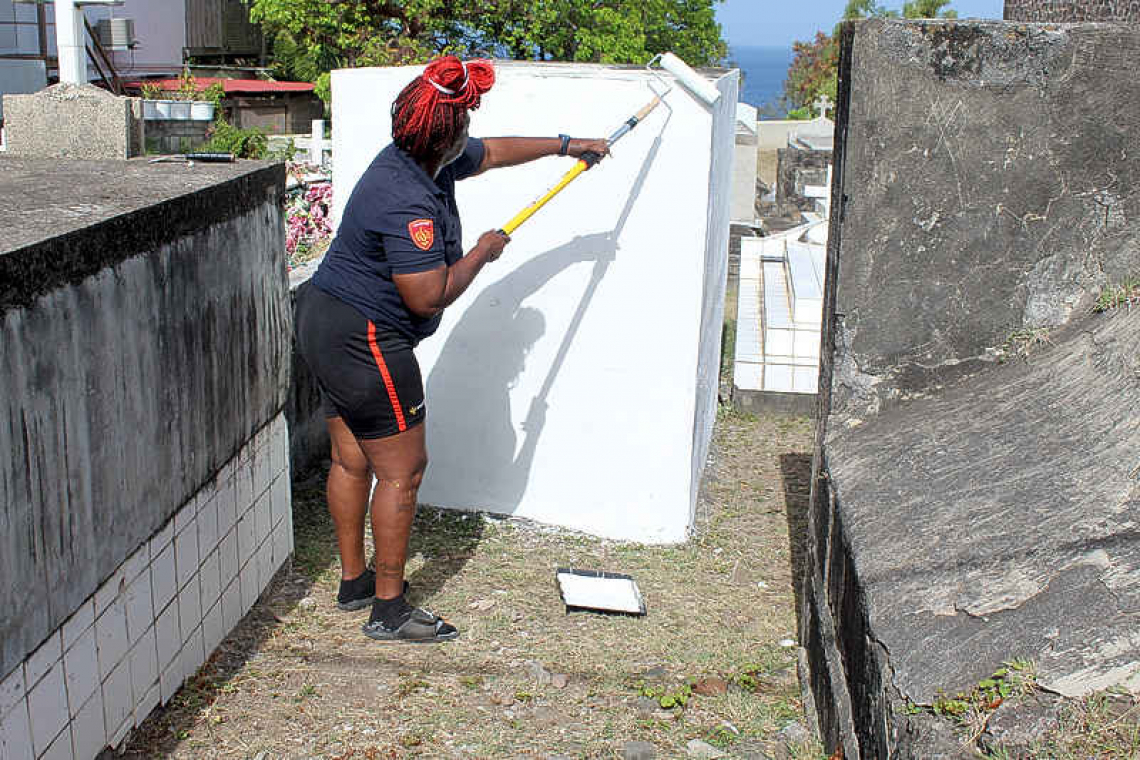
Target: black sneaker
420 626
358 593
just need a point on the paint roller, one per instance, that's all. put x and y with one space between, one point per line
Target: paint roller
692 81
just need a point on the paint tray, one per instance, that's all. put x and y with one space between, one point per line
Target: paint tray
596 591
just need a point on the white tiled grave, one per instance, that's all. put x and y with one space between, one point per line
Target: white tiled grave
779 310
156 619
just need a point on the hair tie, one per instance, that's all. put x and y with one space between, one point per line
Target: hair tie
448 90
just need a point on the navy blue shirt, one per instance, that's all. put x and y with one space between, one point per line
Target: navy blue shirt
398 220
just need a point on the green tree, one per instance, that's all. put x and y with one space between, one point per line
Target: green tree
311 37
813 71
927 9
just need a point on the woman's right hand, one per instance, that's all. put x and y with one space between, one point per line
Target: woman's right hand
493 242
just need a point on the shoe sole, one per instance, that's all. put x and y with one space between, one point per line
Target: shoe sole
397 640
355 604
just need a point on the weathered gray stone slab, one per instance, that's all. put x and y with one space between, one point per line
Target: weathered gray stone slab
73 121
989 181
966 511
1001 519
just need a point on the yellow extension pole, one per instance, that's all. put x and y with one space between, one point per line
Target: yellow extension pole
579 167
529 211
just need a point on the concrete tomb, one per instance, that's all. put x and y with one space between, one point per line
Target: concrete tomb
144 495
575 382
975 495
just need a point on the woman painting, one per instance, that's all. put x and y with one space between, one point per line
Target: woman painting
396 263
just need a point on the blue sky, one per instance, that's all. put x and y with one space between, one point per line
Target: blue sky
779 22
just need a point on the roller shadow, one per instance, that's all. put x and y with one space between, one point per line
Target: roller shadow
469 386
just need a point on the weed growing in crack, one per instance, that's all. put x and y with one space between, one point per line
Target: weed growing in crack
1126 293
972 710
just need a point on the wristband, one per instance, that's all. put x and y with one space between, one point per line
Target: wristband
564 148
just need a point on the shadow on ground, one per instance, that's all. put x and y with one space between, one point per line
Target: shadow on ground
795 475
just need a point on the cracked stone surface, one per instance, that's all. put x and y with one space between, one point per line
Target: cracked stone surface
1002 519
990 185
966 511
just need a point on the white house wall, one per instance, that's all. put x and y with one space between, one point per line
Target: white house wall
160 27
599 304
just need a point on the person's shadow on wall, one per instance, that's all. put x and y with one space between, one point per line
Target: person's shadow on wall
468 390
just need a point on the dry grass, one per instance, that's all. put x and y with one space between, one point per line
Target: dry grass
296 679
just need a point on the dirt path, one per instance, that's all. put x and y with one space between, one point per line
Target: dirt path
296 679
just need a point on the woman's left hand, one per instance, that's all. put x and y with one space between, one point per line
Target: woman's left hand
577 147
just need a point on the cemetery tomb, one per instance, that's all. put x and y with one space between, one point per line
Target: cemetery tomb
575 382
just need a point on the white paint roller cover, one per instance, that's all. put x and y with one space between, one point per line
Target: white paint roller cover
606 304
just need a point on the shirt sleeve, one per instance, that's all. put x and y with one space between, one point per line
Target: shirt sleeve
412 240
470 159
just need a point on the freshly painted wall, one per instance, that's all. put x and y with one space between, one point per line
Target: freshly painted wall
574 382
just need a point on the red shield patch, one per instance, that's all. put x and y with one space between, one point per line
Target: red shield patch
422 232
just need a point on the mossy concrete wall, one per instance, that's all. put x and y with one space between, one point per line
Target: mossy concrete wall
974 494
145 340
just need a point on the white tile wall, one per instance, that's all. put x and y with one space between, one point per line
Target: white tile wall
168 638
42 660
189 608
60 748
144 665
158 617
164 581
111 637
12 690
47 708
209 579
117 698
16 732
138 605
88 735
779 349
81 670
80 621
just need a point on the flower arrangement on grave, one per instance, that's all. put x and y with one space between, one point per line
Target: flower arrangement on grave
308 229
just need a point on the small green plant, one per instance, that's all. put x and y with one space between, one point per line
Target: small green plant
1126 293
408 685
471 682
668 698
151 91
800 114
214 94
243 143
308 690
1014 679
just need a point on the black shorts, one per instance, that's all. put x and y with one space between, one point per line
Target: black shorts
367 376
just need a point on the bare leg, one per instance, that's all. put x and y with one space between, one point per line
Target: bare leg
350 479
399 462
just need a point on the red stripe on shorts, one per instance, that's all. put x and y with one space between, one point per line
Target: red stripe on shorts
388 385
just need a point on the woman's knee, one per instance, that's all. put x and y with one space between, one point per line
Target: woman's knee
356 468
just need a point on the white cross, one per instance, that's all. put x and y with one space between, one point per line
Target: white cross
822 105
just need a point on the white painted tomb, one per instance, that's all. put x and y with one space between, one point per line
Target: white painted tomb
575 383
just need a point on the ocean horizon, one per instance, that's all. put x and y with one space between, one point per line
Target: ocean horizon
763 70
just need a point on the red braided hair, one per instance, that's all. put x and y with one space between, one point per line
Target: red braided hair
430 113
